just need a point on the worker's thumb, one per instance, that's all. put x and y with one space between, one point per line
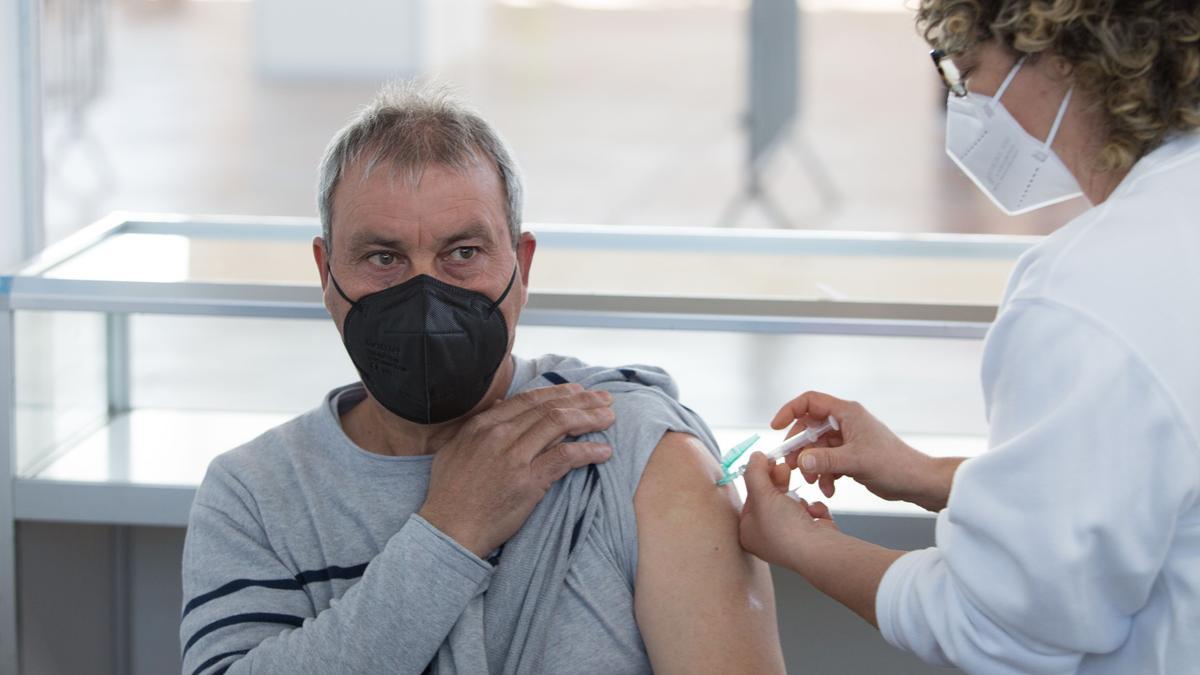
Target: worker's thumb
819 461
758 477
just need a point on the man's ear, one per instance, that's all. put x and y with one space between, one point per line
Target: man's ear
321 256
526 246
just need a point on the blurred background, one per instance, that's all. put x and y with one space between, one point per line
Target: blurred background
621 112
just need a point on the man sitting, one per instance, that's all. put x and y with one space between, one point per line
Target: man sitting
464 510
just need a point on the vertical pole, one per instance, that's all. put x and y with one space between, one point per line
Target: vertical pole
32 161
118 376
20 133
121 586
117 338
8 567
21 236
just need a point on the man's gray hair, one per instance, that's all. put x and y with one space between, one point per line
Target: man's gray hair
409 126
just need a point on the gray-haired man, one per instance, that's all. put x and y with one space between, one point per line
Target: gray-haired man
464 510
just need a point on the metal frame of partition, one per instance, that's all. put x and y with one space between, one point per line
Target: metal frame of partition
8 566
30 290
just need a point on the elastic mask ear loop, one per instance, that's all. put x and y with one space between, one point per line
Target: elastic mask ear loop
1062 110
508 288
1008 79
339 288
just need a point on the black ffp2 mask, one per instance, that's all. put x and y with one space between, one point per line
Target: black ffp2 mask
425 349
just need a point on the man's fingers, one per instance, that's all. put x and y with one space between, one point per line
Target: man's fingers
556 462
509 409
544 427
550 409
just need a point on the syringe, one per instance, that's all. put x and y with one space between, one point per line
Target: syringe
800 440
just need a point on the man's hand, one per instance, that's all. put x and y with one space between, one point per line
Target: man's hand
485 482
865 450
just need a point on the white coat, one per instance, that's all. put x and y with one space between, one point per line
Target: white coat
1073 544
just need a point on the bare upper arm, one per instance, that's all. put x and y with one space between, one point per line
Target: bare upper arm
702 603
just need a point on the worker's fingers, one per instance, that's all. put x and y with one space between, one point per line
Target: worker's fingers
827 486
813 404
820 461
820 511
830 439
781 475
806 421
758 478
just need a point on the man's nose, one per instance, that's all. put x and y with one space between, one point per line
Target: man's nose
426 265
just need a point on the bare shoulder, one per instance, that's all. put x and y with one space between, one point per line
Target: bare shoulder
702 603
680 474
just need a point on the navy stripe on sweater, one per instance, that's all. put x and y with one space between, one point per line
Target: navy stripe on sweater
288 584
199 669
254 617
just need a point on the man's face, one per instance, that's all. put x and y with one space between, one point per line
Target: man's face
451 225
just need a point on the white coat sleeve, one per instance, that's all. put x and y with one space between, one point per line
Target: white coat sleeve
1053 539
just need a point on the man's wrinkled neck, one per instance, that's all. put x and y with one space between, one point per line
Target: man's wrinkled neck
378 430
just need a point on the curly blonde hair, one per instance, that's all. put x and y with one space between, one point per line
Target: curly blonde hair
1138 59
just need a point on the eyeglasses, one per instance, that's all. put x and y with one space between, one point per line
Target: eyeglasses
949 72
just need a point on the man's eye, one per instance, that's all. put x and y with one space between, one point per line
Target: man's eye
464 253
382 259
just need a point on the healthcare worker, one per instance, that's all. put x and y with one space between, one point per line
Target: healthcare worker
1073 543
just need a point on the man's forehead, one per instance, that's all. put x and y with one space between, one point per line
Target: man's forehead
394 201
409 171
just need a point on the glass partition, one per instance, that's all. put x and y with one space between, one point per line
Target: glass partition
60 361
146 346
646 261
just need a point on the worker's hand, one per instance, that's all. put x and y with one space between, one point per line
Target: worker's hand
865 450
775 526
485 482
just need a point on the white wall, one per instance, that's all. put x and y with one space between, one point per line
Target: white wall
364 39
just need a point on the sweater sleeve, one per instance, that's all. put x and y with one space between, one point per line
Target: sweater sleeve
1051 541
247 611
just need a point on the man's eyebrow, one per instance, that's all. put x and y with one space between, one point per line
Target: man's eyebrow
476 231
361 240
